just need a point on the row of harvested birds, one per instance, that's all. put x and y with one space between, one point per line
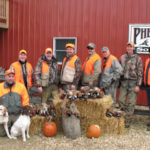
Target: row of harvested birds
84 93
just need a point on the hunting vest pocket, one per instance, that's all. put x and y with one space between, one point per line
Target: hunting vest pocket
106 79
68 74
44 78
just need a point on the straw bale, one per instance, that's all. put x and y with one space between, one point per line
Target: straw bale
93 111
37 123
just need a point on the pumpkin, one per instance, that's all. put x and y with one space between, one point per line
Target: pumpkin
50 129
93 131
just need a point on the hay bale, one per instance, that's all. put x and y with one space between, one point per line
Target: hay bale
37 123
93 111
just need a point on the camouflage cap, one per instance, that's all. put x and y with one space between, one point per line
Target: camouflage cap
104 49
91 46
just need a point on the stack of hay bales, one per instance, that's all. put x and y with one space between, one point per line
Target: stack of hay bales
37 124
93 111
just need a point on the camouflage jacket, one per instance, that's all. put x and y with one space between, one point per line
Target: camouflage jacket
77 71
132 68
53 71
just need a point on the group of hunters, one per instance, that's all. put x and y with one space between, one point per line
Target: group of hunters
107 73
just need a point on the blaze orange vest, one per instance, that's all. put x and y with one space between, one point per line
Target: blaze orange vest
145 71
19 73
71 62
45 74
88 66
109 62
68 71
45 68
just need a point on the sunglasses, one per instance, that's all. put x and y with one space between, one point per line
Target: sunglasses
89 48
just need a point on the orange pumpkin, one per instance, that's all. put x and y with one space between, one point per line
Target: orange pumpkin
93 131
50 129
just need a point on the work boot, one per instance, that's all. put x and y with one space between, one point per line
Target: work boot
148 128
127 124
148 124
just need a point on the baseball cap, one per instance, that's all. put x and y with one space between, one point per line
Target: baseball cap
70 45
104 49
131 44
22 51
48 50
91 46
9 71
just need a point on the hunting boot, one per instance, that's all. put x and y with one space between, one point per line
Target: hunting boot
128 119
148 126
127 124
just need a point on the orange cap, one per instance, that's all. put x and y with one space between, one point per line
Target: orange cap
48 50
131 44
22 51
70 45
9 71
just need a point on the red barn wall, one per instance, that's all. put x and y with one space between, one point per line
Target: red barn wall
34 23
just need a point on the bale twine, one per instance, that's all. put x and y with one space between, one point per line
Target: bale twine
93 111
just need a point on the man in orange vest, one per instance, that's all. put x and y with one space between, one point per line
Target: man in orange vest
147 78
13 95
147 83
46 75
71 69
91 68
111 72
23 70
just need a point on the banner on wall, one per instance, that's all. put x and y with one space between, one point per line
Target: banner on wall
139 34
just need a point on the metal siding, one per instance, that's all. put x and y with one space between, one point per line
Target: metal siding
20 26
34 23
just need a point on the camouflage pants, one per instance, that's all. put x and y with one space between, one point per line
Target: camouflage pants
127 101
50 91
12 119
112 90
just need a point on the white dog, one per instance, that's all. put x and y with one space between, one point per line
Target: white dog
4 119
22 124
